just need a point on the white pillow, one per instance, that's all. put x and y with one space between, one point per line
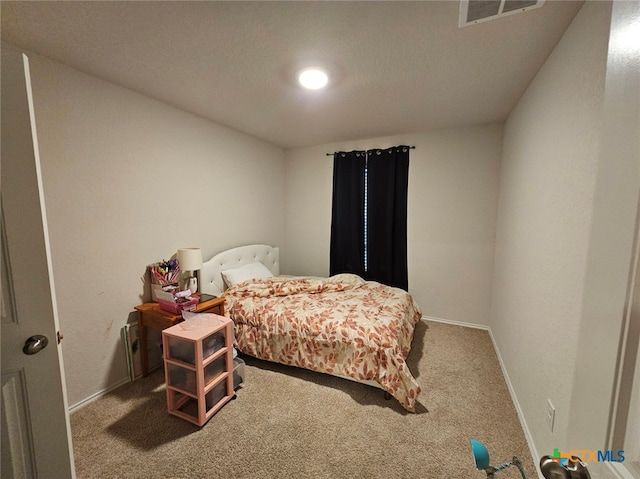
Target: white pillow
249 271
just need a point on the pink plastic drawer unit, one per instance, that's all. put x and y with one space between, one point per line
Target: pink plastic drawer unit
198 368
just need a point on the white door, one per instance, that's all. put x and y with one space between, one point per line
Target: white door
35 423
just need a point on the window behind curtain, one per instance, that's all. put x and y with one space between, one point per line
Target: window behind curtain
369 215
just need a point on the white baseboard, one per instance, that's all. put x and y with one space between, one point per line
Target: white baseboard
456 323
527 434
79 405
514 398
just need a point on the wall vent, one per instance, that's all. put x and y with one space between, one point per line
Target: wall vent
476 11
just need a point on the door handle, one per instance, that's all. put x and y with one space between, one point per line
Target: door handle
35 344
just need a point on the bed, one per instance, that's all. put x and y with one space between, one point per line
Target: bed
342 325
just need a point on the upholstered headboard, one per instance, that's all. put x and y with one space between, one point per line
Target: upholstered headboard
211 273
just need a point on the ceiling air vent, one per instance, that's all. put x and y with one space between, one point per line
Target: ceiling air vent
476 11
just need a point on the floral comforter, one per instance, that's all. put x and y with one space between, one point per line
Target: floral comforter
339 325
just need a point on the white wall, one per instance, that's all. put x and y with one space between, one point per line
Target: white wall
453 185
127 181
547 191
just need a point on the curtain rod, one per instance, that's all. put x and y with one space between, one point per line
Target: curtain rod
331 154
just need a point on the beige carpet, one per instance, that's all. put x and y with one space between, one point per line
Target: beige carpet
291 423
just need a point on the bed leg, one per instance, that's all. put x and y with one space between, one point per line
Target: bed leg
387 396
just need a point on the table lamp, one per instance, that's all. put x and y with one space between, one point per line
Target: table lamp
190 261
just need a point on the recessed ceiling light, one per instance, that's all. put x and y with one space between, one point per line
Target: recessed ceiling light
313 78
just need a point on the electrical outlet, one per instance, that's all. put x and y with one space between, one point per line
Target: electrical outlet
551 415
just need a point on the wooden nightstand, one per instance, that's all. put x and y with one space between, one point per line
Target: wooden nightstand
152 316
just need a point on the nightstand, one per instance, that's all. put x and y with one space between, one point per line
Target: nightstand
152 316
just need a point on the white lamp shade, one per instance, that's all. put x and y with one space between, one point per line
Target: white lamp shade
190 259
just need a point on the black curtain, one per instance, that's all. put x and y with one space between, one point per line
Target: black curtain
388 179
347 214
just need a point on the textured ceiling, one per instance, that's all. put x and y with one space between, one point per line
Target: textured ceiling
397 67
